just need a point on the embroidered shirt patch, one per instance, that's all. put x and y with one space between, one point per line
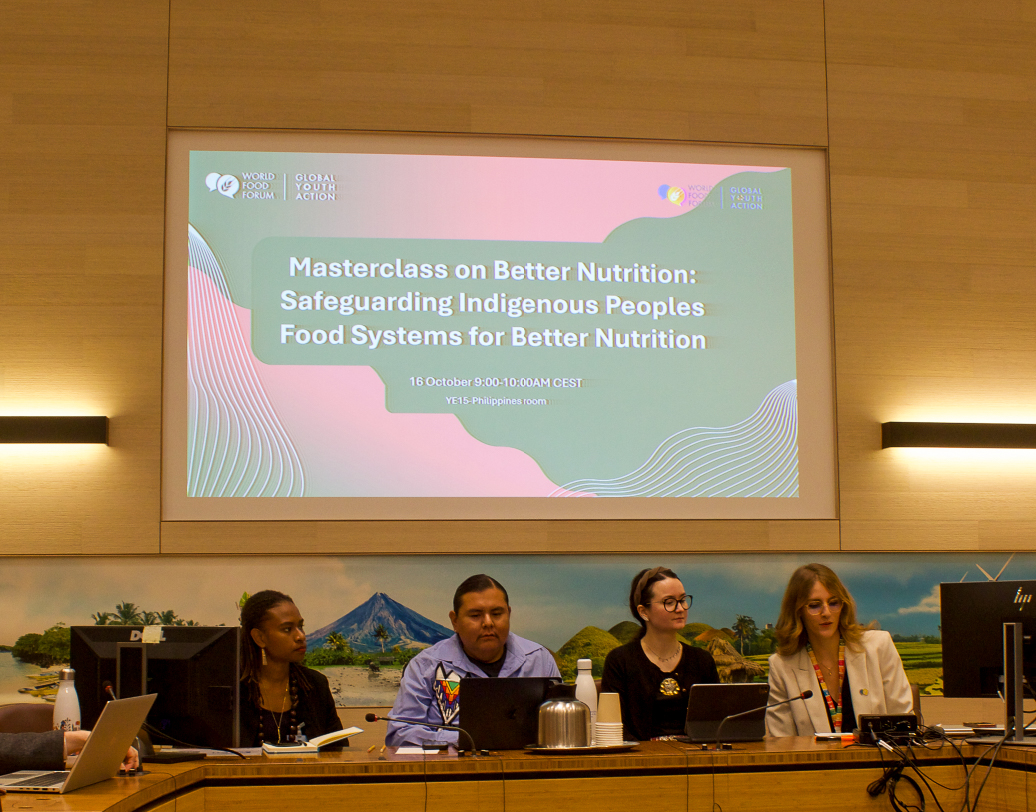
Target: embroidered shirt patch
446 688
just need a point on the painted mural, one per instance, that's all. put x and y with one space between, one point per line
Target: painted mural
367 616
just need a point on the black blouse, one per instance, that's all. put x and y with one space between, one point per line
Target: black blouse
315 713
653 701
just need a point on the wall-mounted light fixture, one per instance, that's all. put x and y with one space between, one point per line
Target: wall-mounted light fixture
52 429
958 435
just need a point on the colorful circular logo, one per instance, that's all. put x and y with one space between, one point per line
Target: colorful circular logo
674 194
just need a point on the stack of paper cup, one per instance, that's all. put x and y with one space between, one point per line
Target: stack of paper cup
609 721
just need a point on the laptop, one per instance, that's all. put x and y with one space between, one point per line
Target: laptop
708 704
501 713
100 757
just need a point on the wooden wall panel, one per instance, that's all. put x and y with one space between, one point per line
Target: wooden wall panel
82 158
749 71
933 209
477 537
933 178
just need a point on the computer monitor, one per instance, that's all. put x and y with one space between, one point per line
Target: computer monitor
973 615
195 670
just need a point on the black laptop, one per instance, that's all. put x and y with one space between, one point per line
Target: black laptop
501 713
708 704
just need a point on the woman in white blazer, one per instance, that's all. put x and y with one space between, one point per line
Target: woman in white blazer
851 670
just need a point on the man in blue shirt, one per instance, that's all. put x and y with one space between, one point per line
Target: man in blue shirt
483 646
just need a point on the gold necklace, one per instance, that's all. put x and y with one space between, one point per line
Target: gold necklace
279 717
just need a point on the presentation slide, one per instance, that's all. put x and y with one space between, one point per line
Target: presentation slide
393 329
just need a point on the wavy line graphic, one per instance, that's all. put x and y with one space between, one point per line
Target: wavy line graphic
756 457
236 444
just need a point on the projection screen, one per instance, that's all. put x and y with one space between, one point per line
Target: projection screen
398 327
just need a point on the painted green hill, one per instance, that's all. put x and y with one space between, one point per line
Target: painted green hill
624 631
592 643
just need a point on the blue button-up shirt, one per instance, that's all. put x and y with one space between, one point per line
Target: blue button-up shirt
421 698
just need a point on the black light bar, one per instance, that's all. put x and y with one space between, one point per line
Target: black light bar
53 429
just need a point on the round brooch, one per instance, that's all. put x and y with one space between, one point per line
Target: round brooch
669 687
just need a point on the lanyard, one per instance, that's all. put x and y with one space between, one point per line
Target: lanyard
834 711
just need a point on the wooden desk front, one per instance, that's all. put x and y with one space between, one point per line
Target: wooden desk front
778 774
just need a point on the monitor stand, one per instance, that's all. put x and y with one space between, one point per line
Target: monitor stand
1014 720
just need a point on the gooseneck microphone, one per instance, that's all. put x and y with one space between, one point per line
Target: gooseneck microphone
373 717
804 695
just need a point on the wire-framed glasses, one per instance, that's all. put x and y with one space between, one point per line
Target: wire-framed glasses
670 604
816 607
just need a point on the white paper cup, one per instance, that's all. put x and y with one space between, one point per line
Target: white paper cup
608 738
608 709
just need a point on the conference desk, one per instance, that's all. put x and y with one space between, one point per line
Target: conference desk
777 774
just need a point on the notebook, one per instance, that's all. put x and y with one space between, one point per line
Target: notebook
708 704
501 713
100 757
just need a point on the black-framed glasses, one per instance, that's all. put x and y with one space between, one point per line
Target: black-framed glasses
670 603
816 607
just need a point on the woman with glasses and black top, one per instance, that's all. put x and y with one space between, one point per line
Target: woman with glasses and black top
851 669
653 672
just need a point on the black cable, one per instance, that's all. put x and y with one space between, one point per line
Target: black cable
904 751
996 751
156 732
914 765
966 786
891 778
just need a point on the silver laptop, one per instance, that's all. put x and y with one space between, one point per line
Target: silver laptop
101 756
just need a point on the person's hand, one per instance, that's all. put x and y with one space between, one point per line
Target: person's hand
75 740
131 762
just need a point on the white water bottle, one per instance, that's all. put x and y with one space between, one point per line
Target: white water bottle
66 705
586 692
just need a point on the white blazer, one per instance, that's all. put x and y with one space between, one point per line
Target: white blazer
876 678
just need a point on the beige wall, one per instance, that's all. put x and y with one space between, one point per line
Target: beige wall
928 114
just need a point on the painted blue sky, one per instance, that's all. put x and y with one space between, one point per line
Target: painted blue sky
553 597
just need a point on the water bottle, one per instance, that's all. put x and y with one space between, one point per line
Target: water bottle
586 692
66 705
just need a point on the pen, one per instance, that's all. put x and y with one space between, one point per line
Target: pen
371 748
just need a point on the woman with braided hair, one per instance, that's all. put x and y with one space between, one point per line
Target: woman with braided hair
282 701
653 672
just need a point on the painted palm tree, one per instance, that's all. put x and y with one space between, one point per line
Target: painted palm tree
381 635
744 626
336 642
127 614
168 618
102 618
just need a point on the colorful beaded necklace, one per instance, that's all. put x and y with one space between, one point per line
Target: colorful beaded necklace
834 710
